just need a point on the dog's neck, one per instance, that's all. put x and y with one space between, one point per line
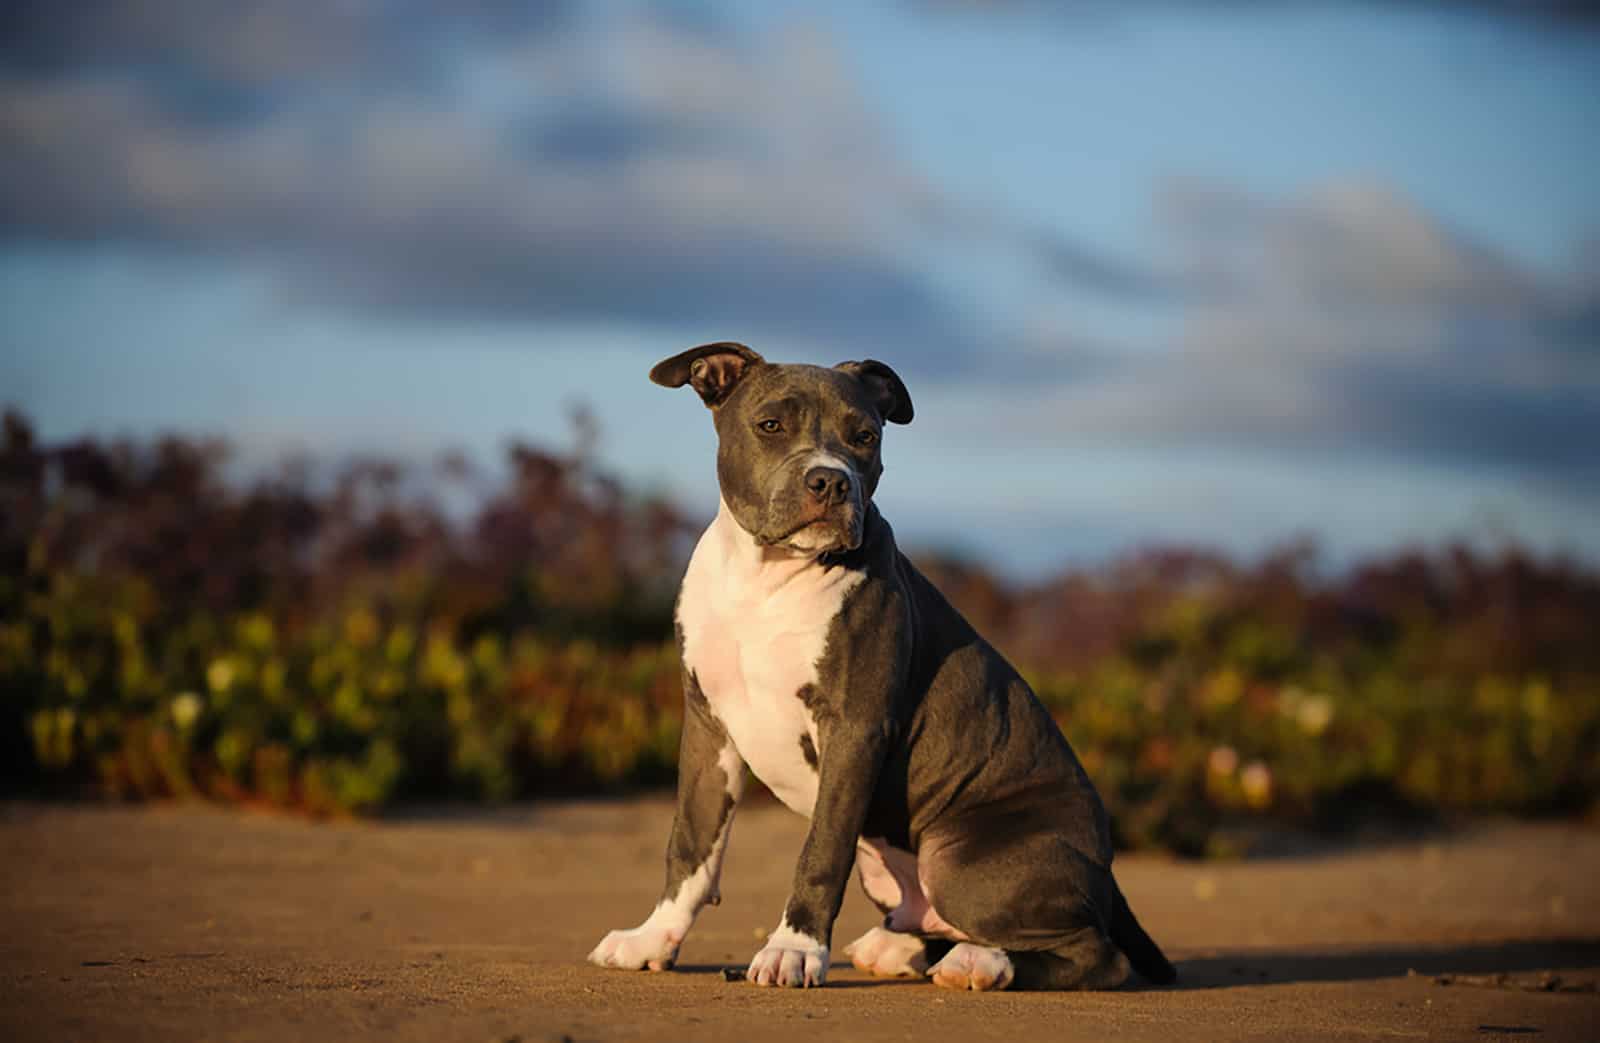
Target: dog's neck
766 564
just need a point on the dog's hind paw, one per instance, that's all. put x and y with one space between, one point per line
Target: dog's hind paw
975 967
889 954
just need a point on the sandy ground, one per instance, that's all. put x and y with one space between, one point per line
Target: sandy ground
179 923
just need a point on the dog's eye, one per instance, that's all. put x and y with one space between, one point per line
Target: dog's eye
865 438
771 426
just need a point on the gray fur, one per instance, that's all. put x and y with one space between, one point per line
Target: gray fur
705 801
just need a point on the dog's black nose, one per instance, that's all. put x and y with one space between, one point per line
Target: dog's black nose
828 485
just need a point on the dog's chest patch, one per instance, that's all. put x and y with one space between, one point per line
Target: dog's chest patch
753 631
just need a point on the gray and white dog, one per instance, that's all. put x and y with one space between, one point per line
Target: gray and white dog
817 655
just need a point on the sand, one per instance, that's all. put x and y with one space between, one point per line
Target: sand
195 923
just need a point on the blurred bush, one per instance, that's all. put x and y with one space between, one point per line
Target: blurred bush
338 642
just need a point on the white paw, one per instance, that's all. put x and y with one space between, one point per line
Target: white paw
889 954
640 947
791 958
975 967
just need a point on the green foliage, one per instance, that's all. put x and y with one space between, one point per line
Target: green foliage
165 634
345 715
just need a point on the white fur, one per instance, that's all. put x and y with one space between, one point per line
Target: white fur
646 946
823 458
790 958
755 621
975 967
889 954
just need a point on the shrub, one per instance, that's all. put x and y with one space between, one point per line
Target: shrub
338 642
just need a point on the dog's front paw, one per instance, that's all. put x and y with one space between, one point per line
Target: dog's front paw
641 947
791 958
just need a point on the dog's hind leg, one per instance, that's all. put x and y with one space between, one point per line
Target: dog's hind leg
1087 961
889 879
1030 902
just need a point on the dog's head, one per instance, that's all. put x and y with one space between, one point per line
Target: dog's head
798 447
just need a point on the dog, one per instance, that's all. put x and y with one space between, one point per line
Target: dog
817 655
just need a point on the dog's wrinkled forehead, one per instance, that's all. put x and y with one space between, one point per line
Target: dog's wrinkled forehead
815 390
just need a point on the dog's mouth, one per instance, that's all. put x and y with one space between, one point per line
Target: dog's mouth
833 531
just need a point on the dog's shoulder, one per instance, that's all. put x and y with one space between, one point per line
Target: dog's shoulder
871 636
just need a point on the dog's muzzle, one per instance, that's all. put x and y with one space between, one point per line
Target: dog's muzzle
822 514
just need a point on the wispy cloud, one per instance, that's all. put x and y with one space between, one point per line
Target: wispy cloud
1540 14
480 159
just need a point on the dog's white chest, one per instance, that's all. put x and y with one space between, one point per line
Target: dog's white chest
754 628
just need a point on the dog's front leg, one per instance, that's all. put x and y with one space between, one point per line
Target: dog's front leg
860 681
710 782
796 954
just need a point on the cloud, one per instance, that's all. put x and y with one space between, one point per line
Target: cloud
1075 265
271 46
654 164
1348 244
1348 319
644 165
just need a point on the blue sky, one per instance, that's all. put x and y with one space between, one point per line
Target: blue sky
1228 274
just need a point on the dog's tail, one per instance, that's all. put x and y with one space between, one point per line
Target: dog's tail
1137 946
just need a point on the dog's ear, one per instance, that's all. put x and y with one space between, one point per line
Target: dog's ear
713 370
894 401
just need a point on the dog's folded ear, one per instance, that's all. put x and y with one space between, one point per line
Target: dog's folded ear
894 401
713 370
